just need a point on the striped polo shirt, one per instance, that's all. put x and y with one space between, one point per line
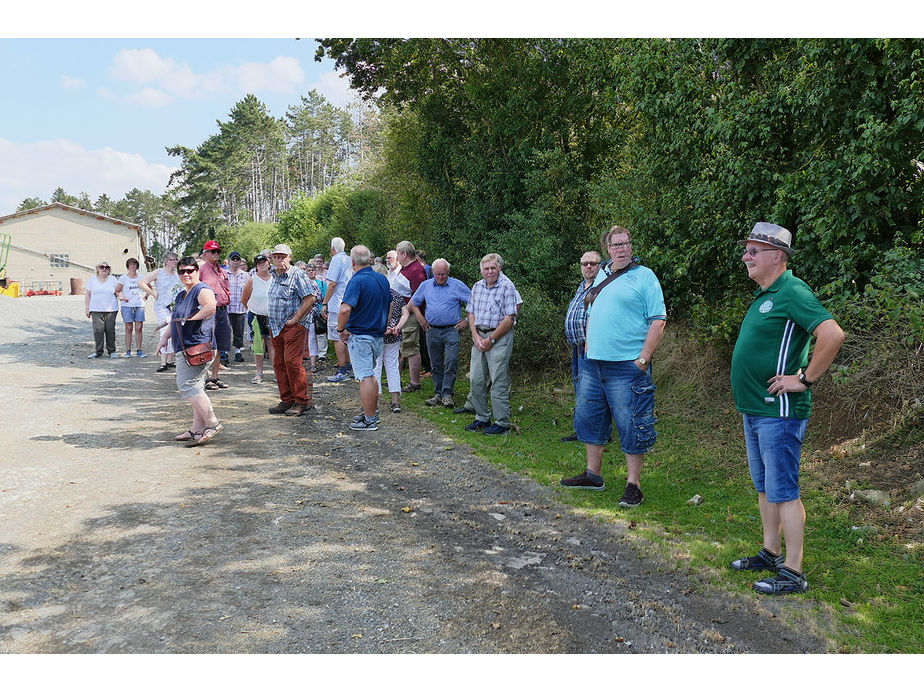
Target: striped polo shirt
774 340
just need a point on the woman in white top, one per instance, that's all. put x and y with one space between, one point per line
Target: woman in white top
101 307
129 294
255 297
167 286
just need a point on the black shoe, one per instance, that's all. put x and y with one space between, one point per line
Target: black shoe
163 368
281 408
583 481
477 425
239 357
631 497
569 439
463 410
496 430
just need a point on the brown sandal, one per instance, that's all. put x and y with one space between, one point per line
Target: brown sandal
188 435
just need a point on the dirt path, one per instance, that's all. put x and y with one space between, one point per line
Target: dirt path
298 535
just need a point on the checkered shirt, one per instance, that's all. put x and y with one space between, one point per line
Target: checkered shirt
576 317
237 281
285 296
490 305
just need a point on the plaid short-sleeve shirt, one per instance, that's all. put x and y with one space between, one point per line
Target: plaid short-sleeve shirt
490 305
285 296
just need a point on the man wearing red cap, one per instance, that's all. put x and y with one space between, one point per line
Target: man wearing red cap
770 376
212 273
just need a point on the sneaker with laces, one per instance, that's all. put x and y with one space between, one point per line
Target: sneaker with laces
127 355
365 425
238 357
583 481
433 401
338 377
411 387
140 354
361 415
495 429
477 425
446 401
281 408
631 497
764 560
114 355
94 356
787 581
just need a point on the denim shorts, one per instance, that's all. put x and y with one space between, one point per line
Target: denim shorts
607 391
364 350
132 313
774 450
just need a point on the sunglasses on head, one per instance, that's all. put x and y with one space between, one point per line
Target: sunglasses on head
187 270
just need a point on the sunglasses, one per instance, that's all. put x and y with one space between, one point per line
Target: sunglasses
186 271
103 267
589 264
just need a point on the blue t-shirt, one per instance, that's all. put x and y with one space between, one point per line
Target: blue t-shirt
370 297
618 320
445 304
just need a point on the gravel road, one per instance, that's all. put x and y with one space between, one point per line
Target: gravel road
298 535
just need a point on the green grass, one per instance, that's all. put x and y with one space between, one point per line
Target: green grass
870 586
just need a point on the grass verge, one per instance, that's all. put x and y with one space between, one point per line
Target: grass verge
864 564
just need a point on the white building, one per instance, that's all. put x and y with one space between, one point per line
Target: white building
56 243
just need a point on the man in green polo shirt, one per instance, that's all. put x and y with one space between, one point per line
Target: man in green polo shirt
770 381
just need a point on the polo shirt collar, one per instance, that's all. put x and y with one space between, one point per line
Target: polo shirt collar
775 286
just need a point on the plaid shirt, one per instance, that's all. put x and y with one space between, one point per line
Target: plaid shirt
490 305
237 281
285 296
576 317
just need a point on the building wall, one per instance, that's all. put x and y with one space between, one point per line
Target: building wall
83 238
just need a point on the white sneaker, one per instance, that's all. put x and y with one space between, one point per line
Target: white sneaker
94 355
114 355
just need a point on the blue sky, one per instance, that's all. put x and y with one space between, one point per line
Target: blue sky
96 114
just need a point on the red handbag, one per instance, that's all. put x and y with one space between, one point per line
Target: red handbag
197 354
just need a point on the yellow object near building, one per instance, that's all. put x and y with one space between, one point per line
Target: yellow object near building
11 289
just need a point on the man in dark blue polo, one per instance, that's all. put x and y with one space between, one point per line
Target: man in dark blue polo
361 322
442 321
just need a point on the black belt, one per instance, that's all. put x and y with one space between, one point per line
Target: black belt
482 328
443 327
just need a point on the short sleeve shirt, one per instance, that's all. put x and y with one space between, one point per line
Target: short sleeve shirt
774 340
340 271
132 291
285 296
236 283
444 303
619 319
217 280
369 296
490 305
576 317
102 294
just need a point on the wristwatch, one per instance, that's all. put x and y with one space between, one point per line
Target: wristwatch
642 361
805 381
493 341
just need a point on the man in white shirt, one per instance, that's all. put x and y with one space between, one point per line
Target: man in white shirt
338 274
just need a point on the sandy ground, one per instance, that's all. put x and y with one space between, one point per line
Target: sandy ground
296 535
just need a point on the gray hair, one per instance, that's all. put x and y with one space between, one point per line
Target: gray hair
493 257
170 255
406 247
337 244
440 259
361 256
301 264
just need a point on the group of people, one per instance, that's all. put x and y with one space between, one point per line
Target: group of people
378 313
614 324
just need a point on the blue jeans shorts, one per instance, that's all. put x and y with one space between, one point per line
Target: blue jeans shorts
619 391
132 313
774 450
364 350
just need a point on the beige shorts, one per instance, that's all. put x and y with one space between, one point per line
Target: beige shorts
410 340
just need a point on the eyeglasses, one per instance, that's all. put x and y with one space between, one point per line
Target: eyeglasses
589 264
186 271
753 251
103 267
619 245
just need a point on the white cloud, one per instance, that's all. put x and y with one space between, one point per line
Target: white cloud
282 75
150 98
35 169
72 82
335 89
167 76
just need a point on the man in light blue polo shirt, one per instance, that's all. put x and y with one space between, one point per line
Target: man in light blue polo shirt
625 323
442 322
